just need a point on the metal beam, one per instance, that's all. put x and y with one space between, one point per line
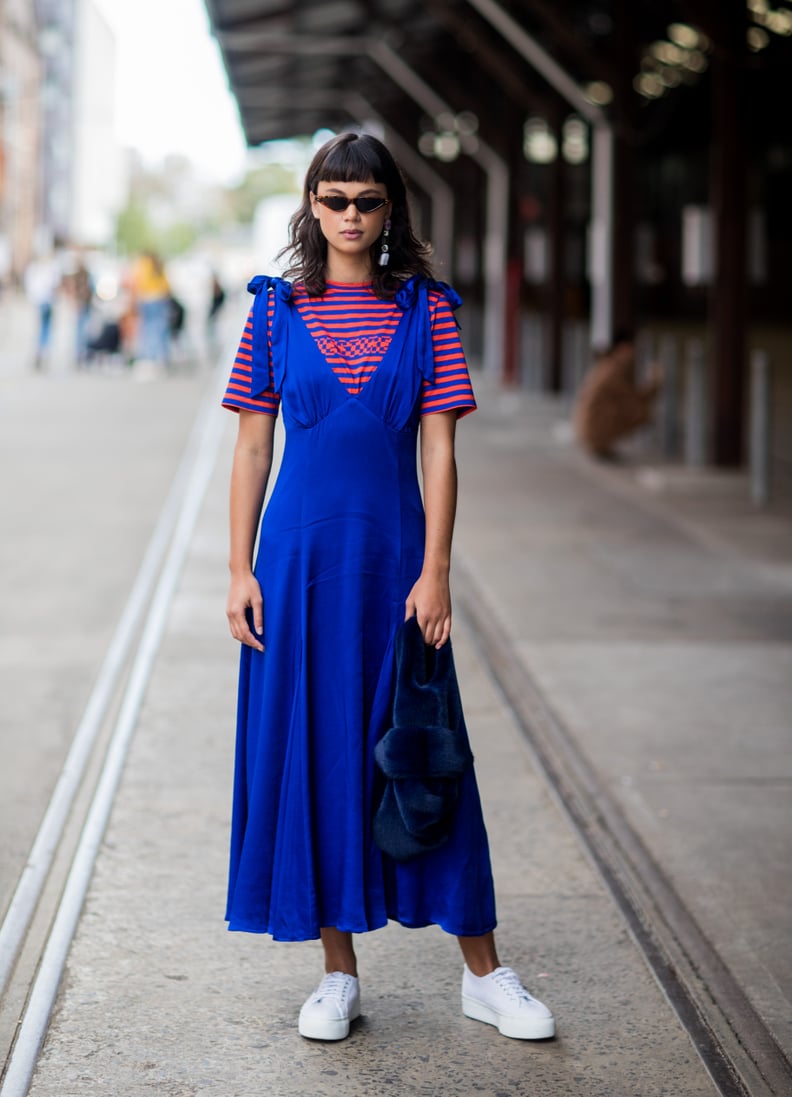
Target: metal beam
291 42
602 228
501 66
539 59
556 21
601 236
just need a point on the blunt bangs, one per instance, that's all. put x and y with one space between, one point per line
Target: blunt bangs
356 161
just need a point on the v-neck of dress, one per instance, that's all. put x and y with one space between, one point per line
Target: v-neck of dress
309 316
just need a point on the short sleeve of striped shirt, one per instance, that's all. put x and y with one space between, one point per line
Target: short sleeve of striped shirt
451 389
238 395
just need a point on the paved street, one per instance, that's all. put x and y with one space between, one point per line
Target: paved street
624 644
651 612
87 462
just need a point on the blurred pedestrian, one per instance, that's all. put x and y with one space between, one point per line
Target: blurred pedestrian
152 296
79 284
611 405
176 317
42 281
363 351
217 296
104 345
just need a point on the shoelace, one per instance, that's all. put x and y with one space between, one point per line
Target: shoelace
333 985
510 984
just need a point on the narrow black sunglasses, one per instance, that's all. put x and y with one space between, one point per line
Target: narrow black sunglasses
339 202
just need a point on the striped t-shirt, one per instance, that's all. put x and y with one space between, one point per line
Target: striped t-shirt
353 330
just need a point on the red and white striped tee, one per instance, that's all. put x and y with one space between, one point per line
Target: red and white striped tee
353 330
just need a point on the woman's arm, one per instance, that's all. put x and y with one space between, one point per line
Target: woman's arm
249 476
430 598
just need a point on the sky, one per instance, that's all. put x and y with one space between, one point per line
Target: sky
171 90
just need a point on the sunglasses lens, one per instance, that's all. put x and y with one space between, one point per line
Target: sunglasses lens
368 205
338 203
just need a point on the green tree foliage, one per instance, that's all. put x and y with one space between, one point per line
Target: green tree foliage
134 231
170 208
260 183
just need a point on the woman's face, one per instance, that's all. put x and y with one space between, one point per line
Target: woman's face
350 231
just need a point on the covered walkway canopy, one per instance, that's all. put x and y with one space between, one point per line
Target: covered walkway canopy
585 160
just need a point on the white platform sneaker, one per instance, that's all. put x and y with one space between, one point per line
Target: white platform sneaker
327 1014
501 1000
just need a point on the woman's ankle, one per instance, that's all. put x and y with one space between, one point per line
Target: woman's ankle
344 968
480 954
338 952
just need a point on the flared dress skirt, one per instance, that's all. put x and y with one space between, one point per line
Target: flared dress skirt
340 547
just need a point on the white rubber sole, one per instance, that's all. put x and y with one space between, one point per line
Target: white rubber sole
325 1028
517 1028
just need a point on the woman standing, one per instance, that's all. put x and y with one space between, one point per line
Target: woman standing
362 352
152 295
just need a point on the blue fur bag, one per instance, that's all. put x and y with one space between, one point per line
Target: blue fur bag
425 753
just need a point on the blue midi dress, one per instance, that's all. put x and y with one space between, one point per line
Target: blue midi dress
340 546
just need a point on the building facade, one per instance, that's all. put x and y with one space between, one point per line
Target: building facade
20 127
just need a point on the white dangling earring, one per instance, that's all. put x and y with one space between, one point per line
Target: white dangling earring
385 254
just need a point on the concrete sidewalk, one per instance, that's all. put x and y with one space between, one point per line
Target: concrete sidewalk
640 617
658 651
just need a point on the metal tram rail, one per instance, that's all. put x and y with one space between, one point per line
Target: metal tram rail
132 652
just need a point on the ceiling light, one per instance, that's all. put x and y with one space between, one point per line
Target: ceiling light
599 93
683 35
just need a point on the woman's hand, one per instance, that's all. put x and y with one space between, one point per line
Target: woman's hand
430 601
245 594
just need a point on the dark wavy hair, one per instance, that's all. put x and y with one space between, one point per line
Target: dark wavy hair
355 158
